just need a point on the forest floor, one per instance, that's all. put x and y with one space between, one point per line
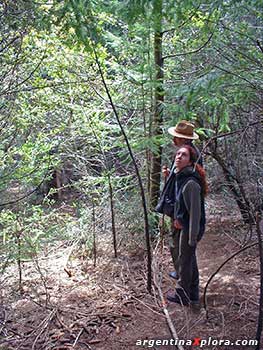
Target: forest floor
74 305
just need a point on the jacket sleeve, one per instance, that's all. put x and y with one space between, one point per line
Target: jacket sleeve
192 198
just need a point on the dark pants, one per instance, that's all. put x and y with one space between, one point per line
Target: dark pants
174 242
188 269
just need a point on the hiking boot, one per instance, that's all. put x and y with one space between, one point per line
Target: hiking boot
195 305
179 297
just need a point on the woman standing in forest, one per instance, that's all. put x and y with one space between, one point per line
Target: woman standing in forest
183 134
189 218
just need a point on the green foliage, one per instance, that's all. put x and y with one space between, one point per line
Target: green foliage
28 231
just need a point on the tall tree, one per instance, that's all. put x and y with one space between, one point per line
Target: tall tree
157 120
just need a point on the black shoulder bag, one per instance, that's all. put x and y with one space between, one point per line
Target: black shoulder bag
167 199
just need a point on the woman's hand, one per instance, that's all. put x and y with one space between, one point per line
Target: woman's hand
177 224
165 171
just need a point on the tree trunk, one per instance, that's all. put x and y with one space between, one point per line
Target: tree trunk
236 189
155 175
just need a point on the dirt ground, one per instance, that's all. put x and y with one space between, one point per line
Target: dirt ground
69 304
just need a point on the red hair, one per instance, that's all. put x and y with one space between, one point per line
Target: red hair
198 167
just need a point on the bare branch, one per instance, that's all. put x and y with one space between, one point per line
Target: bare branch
28 77
231 133
184 23
9 43
260 46
220 267
31 192
191 52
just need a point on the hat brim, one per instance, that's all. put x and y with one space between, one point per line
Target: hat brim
172 132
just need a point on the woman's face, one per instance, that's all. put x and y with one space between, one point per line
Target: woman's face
182 158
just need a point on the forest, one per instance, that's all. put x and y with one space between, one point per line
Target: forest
88 91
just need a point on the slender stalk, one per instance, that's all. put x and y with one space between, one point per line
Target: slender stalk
112 208
142 192
19 262
147 153
94 248
113 227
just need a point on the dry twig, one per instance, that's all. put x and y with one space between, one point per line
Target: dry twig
43 326
157 283
77 338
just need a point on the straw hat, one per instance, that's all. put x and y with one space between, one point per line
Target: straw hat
184 130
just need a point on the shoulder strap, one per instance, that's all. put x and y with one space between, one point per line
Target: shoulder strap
173 166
